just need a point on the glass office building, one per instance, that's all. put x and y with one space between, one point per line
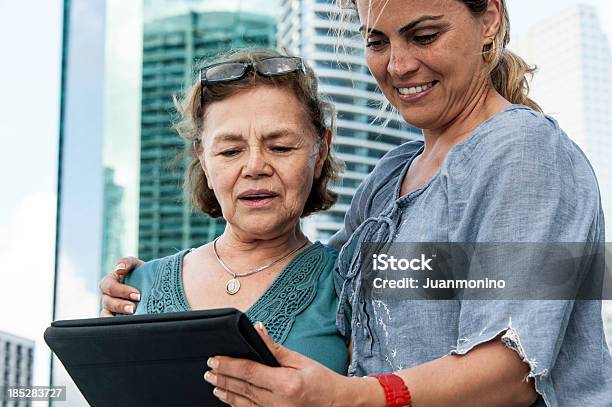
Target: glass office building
366 130
113 228
80 172
16 363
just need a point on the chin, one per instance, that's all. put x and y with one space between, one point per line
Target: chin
420 117
263 229
417 121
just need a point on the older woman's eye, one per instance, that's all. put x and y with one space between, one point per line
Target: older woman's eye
426 39
229 153
281 149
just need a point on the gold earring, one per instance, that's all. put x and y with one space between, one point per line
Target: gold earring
489 51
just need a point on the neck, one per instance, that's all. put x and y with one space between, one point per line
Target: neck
487 103
258 250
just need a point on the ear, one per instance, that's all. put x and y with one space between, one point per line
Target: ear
491 20
324 147
199 150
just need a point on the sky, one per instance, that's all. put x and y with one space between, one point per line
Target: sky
525 13
30 36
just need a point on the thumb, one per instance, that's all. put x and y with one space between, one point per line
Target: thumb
284 356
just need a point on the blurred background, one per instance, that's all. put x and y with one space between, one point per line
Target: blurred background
88 159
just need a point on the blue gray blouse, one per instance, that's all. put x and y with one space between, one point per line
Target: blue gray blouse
517 178
298 309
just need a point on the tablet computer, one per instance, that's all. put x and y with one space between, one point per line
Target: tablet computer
153 360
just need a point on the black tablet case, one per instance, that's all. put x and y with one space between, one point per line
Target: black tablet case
152 360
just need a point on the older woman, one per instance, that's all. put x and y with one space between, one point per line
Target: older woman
492 168
261 160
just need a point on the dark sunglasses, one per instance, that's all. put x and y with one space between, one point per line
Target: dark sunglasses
233 71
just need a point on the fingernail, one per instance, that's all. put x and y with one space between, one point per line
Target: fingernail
210 377
129 309
259 325
212 363
135 296
220 393
120 266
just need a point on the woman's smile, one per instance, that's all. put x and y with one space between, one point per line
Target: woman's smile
415 92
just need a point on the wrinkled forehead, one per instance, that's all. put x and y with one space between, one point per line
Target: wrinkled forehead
257 135
268 111
381 11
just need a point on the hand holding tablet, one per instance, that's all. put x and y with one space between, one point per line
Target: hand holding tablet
153 360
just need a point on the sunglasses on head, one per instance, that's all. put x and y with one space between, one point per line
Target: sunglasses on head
233 71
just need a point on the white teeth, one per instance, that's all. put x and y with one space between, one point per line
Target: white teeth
415 89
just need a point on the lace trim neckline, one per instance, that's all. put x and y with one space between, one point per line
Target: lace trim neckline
291 291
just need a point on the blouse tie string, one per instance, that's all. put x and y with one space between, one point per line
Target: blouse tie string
380 231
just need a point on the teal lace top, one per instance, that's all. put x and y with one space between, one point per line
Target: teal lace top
298 309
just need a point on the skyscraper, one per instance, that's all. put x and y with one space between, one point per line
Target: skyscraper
16 363
112 222
574 85
365 130
171 48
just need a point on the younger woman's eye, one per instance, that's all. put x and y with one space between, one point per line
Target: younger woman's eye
375 44
426 39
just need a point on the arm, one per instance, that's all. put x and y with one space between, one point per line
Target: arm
491 375
116 297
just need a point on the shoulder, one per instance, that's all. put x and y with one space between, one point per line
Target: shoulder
323 269
157 280
521 139
315 266
320 257
519 132
144 276
532 181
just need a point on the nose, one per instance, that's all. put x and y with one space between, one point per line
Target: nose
402 61
257 164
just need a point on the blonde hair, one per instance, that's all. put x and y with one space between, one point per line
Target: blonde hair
509 73
192 110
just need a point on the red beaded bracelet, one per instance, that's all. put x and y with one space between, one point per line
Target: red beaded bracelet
396 392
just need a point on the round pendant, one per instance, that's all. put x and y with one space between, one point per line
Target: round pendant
232 286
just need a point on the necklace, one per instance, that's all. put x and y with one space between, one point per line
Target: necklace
233 285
